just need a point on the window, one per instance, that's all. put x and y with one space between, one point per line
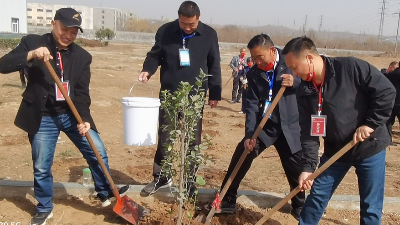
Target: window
39 24
49 10
40 17
40 10
49 18
15 25
102 27
102 22
131 14
103 11
28 9
103 17
29 17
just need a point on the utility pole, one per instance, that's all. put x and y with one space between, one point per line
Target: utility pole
383 8
397 33
305 25
320 25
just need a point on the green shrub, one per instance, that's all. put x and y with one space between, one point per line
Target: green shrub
9 42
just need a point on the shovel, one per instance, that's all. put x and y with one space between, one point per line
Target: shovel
125 207
217 201
327 164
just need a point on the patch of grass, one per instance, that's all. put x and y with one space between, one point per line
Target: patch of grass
67 153
1 103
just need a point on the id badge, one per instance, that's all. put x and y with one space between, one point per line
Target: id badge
59 96
240 67
184 57
266 107
318 125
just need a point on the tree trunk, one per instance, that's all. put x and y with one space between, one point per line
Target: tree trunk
182 172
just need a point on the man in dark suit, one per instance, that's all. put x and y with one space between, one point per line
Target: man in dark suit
394 77
43 113
182 48
282 129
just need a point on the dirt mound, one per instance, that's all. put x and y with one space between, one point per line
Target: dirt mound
210 114
209 123
211 133
18 139
238 125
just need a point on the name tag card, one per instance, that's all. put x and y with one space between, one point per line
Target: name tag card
318 125
184 57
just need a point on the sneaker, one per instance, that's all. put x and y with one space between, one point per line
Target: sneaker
241 112
41 218
156 184
238 101
106 201
295 212
233 101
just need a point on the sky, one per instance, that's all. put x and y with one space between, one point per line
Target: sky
356 16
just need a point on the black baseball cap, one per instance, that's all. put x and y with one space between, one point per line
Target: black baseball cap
69 17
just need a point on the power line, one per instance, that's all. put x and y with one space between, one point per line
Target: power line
380 33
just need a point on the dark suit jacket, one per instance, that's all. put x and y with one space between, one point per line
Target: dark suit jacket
204 54
76 70
394 77
285 117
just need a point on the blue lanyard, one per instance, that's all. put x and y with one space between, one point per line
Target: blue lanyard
185 37
271 83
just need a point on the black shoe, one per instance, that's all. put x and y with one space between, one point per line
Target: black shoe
238 101
106 200
392 144
41 218
227 206
233 101
156 184
296 213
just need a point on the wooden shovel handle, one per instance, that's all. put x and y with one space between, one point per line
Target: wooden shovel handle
80 121
327 164
246 152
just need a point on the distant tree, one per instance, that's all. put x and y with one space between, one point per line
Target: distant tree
104 34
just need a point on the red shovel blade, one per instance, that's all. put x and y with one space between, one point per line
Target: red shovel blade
129 210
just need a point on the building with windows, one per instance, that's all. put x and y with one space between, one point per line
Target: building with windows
41 14
114 19
13 17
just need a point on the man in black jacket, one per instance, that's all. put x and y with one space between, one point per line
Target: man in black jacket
282 130
182 48
394 77
43 112
342 99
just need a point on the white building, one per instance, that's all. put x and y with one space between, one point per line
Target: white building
13 16
41 14
114 19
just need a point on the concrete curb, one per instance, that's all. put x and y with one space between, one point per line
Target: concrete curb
14 189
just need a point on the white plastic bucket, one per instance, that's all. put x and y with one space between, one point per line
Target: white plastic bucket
140 120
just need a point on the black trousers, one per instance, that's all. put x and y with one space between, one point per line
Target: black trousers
163 138
291 164
237 88
392 119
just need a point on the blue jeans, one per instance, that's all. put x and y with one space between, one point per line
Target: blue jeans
371 184
43 145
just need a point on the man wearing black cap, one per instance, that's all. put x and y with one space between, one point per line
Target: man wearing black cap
43 112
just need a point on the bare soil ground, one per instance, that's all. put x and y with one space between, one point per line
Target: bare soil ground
114 70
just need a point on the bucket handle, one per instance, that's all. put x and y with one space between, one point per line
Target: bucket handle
152 94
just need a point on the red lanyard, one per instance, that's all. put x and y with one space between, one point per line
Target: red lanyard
61 66
321 90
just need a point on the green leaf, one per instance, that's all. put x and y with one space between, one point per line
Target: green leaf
200 181
189 215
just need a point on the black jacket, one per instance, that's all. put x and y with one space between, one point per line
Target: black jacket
394 77
285 116
355 94
203 51
76 62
